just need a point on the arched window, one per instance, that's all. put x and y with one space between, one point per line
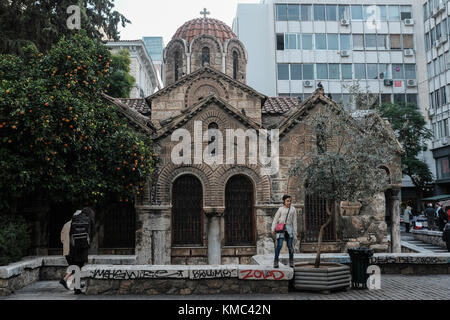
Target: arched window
205 56
211 136
187 205
235 65
239 217
176 64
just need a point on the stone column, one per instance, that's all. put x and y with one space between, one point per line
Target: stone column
153 237
214 216
395 221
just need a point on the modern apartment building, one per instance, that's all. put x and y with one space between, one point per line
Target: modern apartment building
155 47
437 29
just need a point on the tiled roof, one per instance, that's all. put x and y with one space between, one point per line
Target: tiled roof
279 105
139 105
195 27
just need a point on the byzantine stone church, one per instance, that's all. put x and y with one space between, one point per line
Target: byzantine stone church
222 213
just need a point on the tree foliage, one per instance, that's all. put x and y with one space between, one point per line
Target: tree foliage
59 138
410 128
120 81
42 23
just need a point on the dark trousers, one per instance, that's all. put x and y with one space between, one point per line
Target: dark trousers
430 222
280 245
407 226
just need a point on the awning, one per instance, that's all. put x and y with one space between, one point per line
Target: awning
437 198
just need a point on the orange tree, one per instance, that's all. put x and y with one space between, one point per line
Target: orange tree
59 138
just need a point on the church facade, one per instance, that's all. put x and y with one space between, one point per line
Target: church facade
200 212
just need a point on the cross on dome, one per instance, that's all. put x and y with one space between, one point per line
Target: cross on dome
205 13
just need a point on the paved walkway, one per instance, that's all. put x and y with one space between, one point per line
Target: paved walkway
393 287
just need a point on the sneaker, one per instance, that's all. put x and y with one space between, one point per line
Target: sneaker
64 284
291 263
275 264
77 291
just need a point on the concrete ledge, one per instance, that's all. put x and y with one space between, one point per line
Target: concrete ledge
15 269
427 232
429 236
413 248
139 272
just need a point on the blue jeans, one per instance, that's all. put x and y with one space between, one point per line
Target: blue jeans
280 245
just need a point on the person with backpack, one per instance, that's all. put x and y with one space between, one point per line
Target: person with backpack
284 225
76 237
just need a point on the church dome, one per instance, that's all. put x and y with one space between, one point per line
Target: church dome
213 27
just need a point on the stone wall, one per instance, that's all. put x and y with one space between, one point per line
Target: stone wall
428 236
185 280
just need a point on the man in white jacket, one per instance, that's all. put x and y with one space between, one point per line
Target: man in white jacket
287 215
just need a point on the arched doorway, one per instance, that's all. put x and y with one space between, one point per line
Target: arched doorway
239 217
315 217
187 204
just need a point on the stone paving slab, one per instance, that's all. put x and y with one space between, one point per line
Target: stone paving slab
393 287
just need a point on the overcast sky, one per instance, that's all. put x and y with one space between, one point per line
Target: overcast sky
164 17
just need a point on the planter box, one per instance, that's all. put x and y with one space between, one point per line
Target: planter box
350 208
330 276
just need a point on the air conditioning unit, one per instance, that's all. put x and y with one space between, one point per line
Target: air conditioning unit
307 83
441 7
411 83
345 22
444 140
437 43
344 53
408 52
443 39
388 82
408 22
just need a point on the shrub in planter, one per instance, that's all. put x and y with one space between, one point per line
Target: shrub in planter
14 238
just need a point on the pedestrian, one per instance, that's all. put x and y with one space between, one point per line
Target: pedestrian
407 218
446 236
286 215
76 237
439 216
430 214
442 219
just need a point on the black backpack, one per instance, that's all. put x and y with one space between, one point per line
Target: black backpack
79 231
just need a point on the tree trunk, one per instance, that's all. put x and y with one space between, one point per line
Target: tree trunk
322 228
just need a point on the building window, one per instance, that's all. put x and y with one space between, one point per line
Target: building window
333 71
410 71
346 69
321 41
372 71
360 71
383 13
399 98
205 56
306 12
344 12
176 64
395 41
382 41
319 12
427 41
308 71
408 41
397 71
386 98
394 14
405 12
331 12
370 41
293 12
443 168
346 101
425 11
296 71
290 41
322 71
235 65
358 42
345 41
281 12
333 42
283 71
411 98
383 70
307 42
357 12
280 41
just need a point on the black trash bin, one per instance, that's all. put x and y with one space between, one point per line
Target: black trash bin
359 263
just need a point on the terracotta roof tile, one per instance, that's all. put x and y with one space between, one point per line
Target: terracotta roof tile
195 27
279 105
139 105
